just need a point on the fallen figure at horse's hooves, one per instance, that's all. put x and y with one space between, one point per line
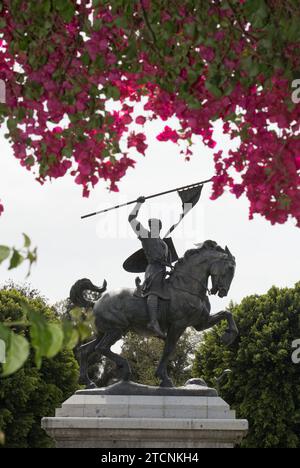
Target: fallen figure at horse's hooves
193 387
186 305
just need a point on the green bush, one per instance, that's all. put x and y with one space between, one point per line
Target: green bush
264 386
31 393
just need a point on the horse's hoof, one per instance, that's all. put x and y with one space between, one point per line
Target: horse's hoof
167 384
126 379
83 381
91 385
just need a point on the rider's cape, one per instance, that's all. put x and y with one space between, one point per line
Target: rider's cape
138 262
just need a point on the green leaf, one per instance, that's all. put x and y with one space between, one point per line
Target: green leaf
113 92
214 89
76 314
190 29
32 258
5 335
17 351
27 241
11 124
261 14
41 336
67 151
84 330
85 58
121 22
16 260
46 338
57 339
4 253
66 8
30 161
17 355
46 6
59 5
71 336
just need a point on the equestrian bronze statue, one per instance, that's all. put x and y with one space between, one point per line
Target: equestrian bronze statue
173 297
185 304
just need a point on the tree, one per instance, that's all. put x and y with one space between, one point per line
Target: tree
32 393
62 63
16 258
264 384
144 355
47 337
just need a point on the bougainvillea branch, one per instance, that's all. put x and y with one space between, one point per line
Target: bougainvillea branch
63 61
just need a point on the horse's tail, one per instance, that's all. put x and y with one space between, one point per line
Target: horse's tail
77 293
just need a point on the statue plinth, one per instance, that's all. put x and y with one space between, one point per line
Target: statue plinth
100 420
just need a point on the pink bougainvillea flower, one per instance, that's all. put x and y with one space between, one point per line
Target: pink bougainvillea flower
168 135
140 120
137 140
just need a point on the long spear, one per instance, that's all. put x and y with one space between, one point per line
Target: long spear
147 198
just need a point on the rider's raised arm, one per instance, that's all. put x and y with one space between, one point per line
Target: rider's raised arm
138 228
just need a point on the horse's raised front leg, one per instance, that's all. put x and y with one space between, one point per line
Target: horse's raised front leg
172 339
231 333
103 348
84 352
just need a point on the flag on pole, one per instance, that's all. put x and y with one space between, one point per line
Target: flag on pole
189 191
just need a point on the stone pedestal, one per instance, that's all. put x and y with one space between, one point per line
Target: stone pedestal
91 420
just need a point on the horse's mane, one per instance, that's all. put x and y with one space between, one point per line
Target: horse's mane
205 247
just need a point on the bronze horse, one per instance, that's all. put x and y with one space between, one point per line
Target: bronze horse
188 306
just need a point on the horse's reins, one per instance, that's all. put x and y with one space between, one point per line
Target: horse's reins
208 291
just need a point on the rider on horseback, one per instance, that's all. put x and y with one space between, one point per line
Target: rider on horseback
158 256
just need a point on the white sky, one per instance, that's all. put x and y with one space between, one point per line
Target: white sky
70 249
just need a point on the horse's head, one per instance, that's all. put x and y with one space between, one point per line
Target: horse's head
208 260
219 264
222 269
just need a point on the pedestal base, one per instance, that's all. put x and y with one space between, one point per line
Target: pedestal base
116 421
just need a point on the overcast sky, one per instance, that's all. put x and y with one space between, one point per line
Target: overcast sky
70 249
